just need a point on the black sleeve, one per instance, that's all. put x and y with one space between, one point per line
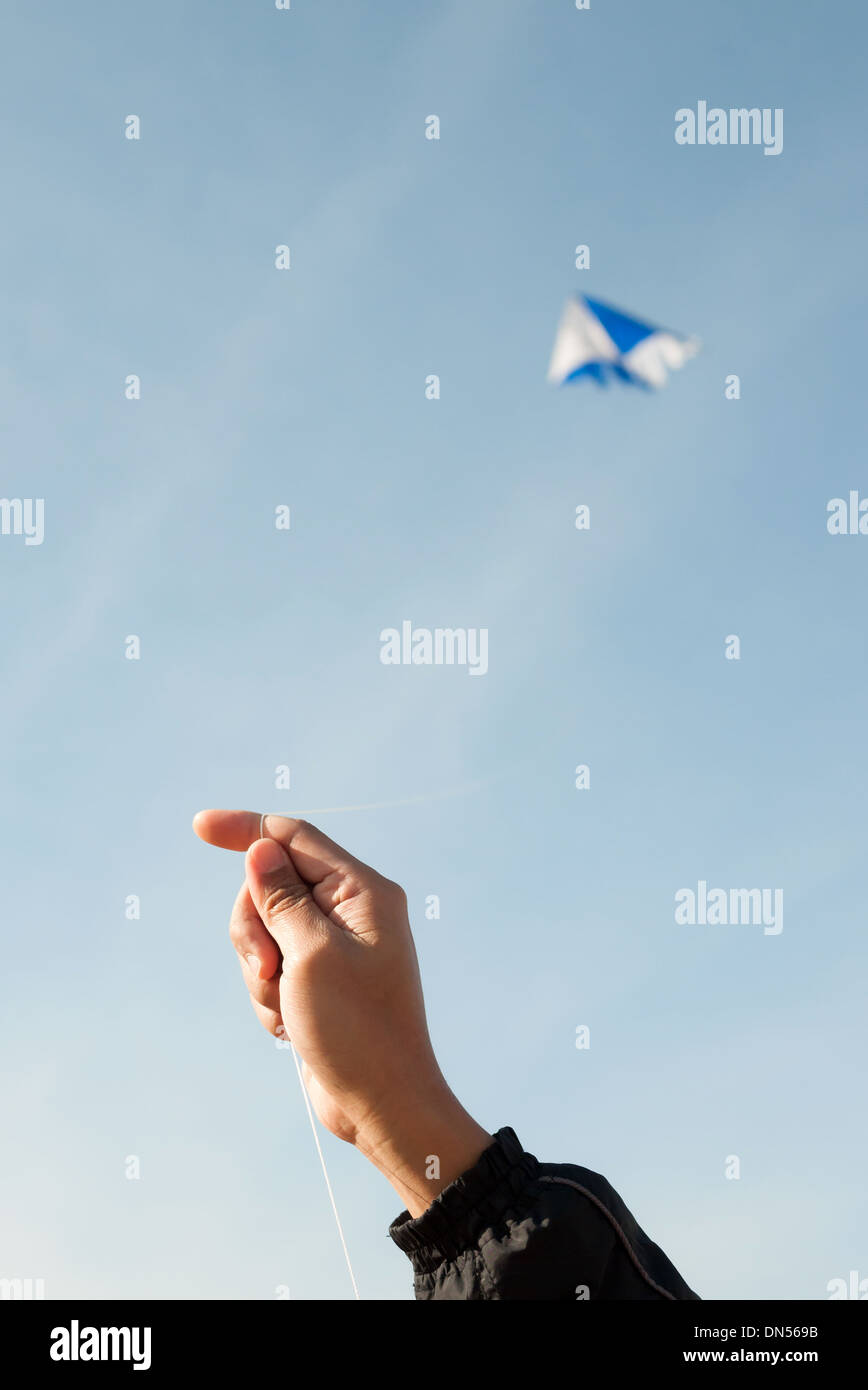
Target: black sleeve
511 1227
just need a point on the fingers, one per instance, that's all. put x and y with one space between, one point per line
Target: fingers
254 943
259 959
282 899
270 1019
315 856
228 829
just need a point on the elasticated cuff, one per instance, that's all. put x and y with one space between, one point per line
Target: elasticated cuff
468 1206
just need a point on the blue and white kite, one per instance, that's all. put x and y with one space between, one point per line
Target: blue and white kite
598 341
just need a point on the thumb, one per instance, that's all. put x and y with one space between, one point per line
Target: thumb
280 895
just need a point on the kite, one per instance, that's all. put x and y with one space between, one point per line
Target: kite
598 341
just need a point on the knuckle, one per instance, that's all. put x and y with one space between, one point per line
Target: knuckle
285 897
394 892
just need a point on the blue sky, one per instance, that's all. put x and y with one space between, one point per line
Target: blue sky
261 647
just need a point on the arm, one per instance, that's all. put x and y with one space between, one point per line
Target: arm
328 958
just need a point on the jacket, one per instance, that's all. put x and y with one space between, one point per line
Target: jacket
513 1228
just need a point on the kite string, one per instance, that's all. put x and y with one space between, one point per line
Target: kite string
324 1169
263 835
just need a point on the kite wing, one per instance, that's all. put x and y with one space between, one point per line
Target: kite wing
598 341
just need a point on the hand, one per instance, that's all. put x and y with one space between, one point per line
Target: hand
328 959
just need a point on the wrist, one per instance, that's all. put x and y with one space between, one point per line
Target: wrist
423 1146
